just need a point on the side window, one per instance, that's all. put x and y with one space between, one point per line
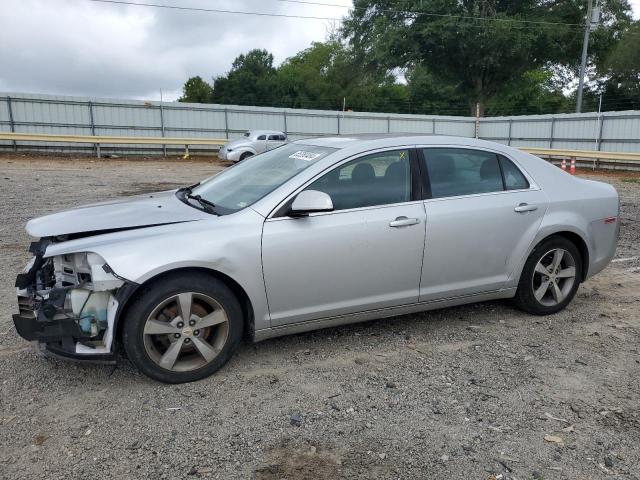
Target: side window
378 179
283 138
274 137
459 171
262 137
513 177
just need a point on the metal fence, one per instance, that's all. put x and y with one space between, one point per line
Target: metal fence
29 113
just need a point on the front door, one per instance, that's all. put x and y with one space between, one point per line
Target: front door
366 254
481 219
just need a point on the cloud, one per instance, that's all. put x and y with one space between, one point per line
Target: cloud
76 47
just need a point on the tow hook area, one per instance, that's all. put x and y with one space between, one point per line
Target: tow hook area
68 304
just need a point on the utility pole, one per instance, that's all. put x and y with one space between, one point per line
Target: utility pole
591 22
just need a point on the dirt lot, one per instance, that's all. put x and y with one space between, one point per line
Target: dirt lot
477 391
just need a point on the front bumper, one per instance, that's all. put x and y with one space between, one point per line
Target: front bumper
57 337
69 305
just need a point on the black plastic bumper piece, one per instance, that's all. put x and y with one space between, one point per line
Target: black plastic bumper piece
55 351
46 330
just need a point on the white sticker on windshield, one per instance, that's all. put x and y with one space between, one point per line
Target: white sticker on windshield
308 156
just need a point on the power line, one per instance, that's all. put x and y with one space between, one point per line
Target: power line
317 17
428 14
214 10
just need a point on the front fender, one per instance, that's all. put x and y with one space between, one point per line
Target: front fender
229 244
237 153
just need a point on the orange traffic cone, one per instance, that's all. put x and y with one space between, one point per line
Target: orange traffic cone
572 169
564 164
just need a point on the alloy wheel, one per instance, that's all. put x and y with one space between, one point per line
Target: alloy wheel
554 277
185 332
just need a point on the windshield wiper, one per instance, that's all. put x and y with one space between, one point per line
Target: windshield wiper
208 206
189 189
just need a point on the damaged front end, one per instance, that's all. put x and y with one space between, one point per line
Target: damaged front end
69 304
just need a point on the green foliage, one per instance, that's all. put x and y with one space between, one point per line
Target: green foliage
251 81
481 57
443 57
196 90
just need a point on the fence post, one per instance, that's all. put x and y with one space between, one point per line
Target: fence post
164 146
509 133
93 127
11 123
553 125
226 124
388 124
477 119
338 117
602 119
433 126
596 162
284 114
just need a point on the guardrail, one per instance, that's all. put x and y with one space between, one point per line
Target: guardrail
619 159
99 140
624 160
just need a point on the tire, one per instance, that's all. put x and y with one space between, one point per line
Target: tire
165 348
245 155
537 293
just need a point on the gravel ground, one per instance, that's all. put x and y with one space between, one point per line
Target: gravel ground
480 391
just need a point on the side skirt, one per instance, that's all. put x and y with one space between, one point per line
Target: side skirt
347 319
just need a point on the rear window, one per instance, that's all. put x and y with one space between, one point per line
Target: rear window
457 171
513 177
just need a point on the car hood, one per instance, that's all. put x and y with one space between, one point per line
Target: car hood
144 210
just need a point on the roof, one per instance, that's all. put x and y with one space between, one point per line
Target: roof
266 132
382 140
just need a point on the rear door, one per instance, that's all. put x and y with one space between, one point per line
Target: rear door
274 141
482 215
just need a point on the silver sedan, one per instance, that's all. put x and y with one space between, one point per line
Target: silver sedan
315 233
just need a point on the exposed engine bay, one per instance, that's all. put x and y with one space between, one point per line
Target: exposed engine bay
68 303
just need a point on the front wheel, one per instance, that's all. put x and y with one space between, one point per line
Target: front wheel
245 155
550 277
183 328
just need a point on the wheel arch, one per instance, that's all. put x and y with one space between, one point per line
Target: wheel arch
236 288
581 244
574 237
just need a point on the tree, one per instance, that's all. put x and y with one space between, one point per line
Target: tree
251 81
621 89
327 73
196 90
480 46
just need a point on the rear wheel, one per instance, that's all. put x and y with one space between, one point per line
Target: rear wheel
183 328
550 277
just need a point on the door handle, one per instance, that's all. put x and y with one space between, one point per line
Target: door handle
525 207
404 222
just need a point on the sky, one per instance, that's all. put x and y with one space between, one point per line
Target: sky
78 47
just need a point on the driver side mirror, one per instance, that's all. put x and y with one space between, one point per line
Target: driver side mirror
310 201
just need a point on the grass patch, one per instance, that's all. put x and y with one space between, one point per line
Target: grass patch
631 180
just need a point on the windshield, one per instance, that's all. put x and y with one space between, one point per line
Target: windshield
248 181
